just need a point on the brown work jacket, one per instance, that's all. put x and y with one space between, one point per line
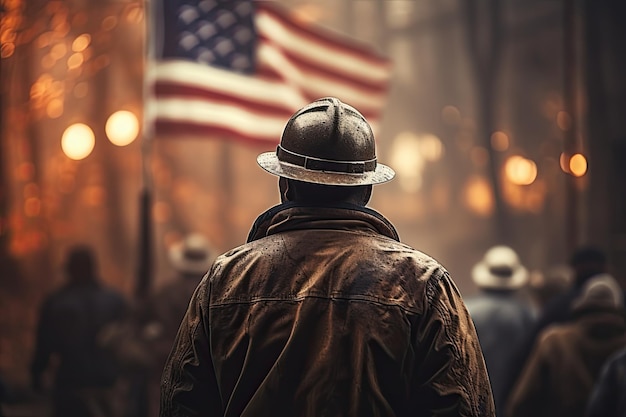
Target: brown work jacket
325 313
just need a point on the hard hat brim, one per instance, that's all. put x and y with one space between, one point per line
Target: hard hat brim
270 163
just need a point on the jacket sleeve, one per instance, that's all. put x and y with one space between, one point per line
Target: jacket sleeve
188 384
451 377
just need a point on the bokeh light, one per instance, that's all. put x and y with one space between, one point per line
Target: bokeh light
563 120
407 161
54 109
58 51
78 141
430 147
75 60
478 197
109 22
520 171
122 128
564 162
500 141
578 165
81 42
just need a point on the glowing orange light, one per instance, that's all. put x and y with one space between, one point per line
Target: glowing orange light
564 162
81 42
44 39
430 147
477 196
54 109
58 51
134 14
78 141
75 60
520 171
122 127
109 22
407 160
578 165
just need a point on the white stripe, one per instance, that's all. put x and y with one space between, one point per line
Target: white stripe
232 117
191 74
318 85
303 46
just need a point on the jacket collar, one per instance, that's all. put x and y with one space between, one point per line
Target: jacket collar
295 216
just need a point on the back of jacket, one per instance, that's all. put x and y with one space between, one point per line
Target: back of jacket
325 313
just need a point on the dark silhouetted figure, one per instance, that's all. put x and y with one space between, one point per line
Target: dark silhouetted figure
501 316
545 286
69 324
608 398
324 312
586 262
566 358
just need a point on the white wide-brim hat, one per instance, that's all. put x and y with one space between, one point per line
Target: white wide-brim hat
500 268
192 255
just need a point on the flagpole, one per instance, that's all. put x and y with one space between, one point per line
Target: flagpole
144 272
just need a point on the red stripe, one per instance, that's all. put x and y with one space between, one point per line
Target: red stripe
174 129
322 35
314 67
171 89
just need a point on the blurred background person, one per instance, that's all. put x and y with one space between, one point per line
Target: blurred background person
546 286
586 261
567 358
501 316
191 258
143 342
69 323
608 398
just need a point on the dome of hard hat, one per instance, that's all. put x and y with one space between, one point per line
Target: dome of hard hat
500 269
327 142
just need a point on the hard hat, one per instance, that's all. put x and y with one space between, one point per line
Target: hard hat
327 142
191 255
500 268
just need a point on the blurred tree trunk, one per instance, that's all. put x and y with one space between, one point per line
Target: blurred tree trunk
483 29
606 105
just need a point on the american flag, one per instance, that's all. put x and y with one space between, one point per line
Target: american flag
240 68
